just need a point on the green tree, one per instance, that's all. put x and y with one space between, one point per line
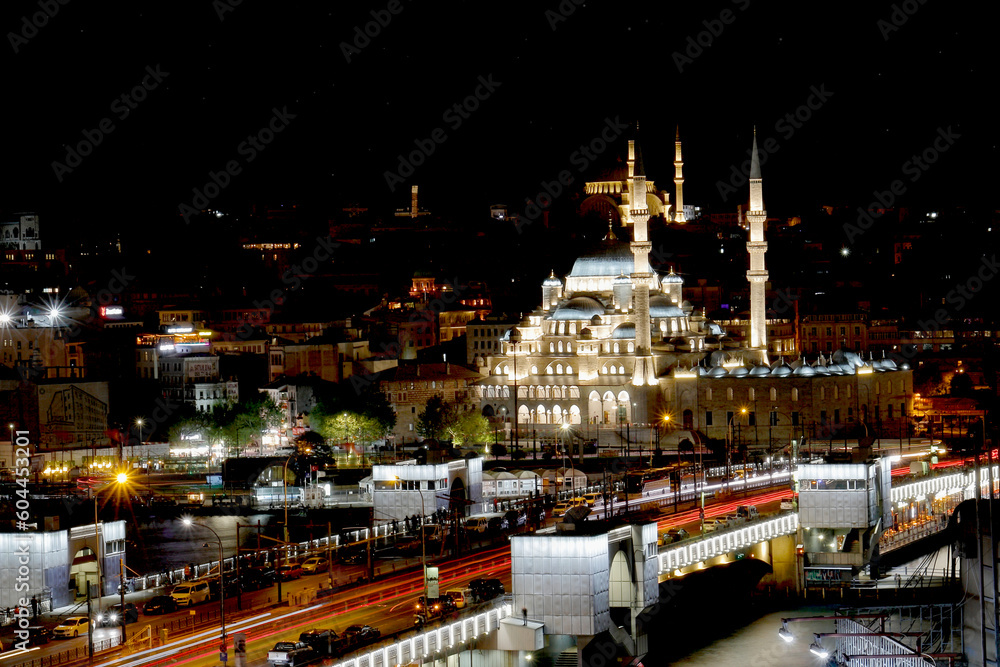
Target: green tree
469 427
433 421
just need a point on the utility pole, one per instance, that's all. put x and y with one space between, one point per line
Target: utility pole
121 592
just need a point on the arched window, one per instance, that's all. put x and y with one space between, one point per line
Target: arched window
631 347
552 347
534 370
614 370
569 347
558 369
616 348
888 386
795 395
836 392
751 393
604 370
569 370
560 346
729 394
822 393
499 370
548 370
708 394
506 392
849 391
531 392
774 394
572 327
878 387
621 370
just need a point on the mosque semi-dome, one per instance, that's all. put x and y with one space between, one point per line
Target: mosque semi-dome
661 306
579 308
626 330
612 259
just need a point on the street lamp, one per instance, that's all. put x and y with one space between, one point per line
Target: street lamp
222 580
423 541
729 440
513 338
284 492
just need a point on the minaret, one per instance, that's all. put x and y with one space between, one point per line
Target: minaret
679 179
757 247
644 372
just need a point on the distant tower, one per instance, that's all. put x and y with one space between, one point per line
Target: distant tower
645 371
679 178
414 208
551 291
757 247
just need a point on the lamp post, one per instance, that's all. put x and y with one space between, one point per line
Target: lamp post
284 492
423 541
729 440
222 579
513 338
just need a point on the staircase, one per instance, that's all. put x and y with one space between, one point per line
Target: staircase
566 659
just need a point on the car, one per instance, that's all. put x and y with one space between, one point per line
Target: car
406 546
114 615
256 578
714 524
459 596
787 504
749 512
291 654
560 509
289 571
672 535
191 592
160 604
315 565
326 641
361 634
485 589
37 635
592 498
435 609
352 555
74 626
515 518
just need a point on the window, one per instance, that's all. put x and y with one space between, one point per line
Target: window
843 331
795 419
552 347
889 408
708 394
849 390
729 394
795 395
836 392
774 394
751 418
857 331
850 415
617 350
751 393
621 370
836 416
822 393
774 418
829 331
631 347
822 416
729 418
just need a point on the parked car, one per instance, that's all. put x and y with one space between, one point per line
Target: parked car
592 499
256 578
787 504
74 626
560 509
325 641
191 592
485 589
672 535
289 571
360 634
748 512
114 615
715 524
315 565
38 635
291 654
160 604
434 609
352 555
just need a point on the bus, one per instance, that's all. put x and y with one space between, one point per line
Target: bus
654 481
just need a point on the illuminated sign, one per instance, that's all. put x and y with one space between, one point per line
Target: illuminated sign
182 329
107 311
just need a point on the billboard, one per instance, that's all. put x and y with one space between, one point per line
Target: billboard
73 414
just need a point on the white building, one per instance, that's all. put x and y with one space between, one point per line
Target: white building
407 489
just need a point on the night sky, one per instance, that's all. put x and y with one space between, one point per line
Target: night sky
887 91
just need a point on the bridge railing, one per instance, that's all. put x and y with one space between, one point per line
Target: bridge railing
440 640
725 541
947 484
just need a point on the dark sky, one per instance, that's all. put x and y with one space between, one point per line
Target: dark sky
890 91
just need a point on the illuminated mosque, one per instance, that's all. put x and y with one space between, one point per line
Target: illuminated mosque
615 342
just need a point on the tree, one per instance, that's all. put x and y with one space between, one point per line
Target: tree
433 421
469 427
498 450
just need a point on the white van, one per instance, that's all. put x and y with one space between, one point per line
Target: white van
191 592
477 524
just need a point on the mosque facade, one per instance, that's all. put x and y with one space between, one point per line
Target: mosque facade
614 342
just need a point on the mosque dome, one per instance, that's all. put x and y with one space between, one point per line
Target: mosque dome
848 357
622 279
716 329
612 259
552 281
586 334
819 369
579 308
673 278
739 371
661 306
596 320
626 330
718 372
687 307
805 370
759 371
784 370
